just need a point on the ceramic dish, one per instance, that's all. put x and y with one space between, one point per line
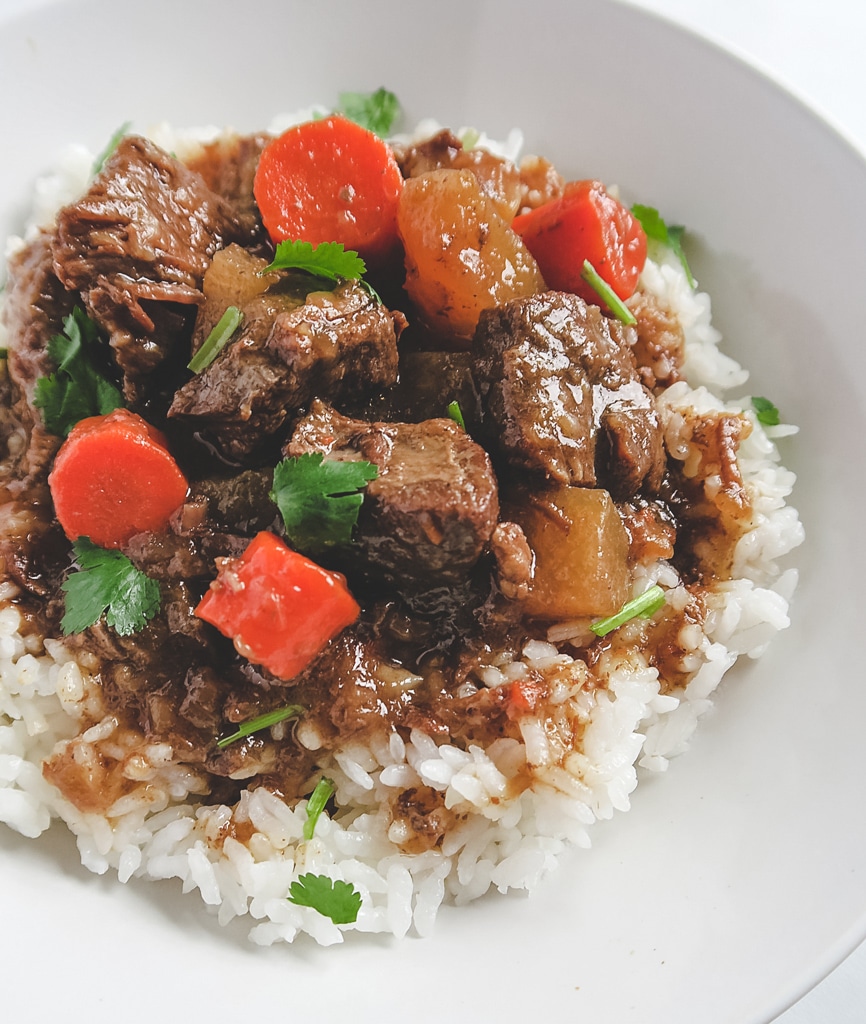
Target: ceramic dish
737 879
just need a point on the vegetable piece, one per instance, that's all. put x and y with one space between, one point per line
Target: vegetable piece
376 111
338 900
78 389
328 260
330 180
768 415
670 237
320 499
114 477
279 608
646 605
456 413
607 295
461 255
217 340
110 147
581 552
260 722
316 804
109 583
585 223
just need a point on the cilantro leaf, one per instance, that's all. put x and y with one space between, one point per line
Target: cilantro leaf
107 583
607 295
77 389
768 415
338 900
316 804
320 500
376 111
217 340
670 237
330 261
646 605
260 722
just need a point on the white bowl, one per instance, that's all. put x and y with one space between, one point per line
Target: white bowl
737 879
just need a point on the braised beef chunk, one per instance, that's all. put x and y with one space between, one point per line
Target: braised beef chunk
429 514
554 375
136 246
341 342
228 166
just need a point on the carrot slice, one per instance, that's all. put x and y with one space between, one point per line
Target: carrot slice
114 477
585 223
330 181
278 607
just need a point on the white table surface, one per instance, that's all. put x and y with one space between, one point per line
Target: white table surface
815 49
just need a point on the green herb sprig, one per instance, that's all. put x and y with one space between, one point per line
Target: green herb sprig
329 262
316 804
376 111
77 389
456 413
669 236
767 413
608 296
107 583
320 499
338 900
260 722
647 604
217 340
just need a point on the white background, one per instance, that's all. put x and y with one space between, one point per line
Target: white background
815 49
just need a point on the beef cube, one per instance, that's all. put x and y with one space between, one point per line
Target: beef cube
562 396
136 246
429 514
286 351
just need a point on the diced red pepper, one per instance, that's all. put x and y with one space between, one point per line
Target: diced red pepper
278 607
524 697
585 223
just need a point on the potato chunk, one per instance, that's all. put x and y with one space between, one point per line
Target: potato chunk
581 553
461 255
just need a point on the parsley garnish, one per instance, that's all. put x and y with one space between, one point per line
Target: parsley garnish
338 900
260 722
646 605
320 499
768 415
78 389
110 147
107 583
316 804
327 261
608 296
671 237
216 341
376 111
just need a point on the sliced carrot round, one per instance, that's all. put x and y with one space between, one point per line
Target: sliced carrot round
330 181
114 477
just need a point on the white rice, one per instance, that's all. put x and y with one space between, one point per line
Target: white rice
515 806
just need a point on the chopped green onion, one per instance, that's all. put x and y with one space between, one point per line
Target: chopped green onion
768 415
316 804
646 605
608 296
456 413
216 341
110 147
264 721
